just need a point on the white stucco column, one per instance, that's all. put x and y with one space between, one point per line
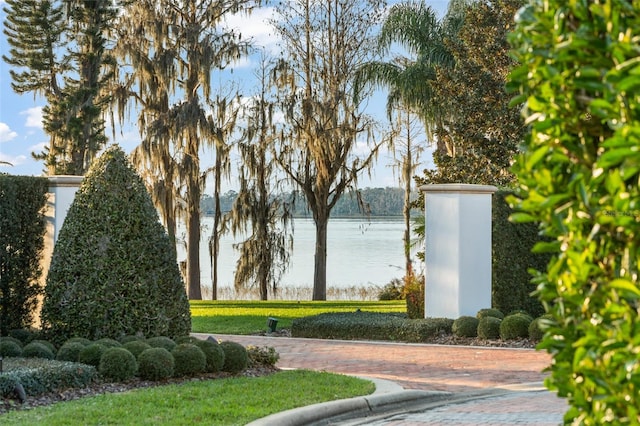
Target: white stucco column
458 249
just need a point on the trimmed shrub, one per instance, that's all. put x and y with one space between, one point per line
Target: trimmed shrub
266 356
37 350
47 343
186 339
9 348
489 327
189 360
538 327
235 357
91 354
465 326
108 342
25 335
118 364
130 338
414 296
81 340
515 326
114 270
156 364
161 342
136 347
489 312
11 339
22 227
213 354
70 351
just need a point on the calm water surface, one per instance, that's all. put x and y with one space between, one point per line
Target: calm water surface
360 253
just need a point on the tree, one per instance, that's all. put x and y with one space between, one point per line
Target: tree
324 43
174 46
113 270
577 78
264 255
480 133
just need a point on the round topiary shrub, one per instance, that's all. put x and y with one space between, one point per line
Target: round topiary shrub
118 364
37 350
109 343
24 335
186 339
189 360
70 351
82 340
489 327
9 348
236 358
91 354
213 354
161 342
130 338
537 327
489 312
465 326
136 347
156 364
112 247
47 343
515 326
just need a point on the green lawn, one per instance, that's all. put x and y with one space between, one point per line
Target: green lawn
234 401
248 317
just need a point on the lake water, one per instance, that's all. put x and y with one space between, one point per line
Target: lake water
360 253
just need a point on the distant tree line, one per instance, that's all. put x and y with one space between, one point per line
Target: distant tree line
375 202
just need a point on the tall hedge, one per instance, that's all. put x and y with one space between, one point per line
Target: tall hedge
114 270
579 81
512 256
22 228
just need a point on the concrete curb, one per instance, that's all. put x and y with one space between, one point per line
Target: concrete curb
362 406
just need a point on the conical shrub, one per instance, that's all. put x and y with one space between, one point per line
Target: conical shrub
114 271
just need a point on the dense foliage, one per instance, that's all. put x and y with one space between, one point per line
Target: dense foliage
113 271
579 80
512 259
22 227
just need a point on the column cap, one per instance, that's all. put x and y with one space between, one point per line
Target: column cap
64 180
465 188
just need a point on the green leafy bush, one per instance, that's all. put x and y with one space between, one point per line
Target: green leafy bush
136 347
370 325
236 358
81 340
25 335
130 338
186 339
108 342
9 348
47 343
37 350
489 327
515 326
11 339
39 376
489 312
22 228
118 364
189 360
578 174
91 354
538 327
394 290
262 356
465 326
113 271
213 354
70 351
156 364
161 342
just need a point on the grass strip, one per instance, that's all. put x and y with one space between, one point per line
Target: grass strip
249 317
233 401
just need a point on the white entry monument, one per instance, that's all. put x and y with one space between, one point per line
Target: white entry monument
458 249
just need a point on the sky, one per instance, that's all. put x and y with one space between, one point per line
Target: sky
21 115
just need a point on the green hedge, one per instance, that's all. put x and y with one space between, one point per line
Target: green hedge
22 227
370 325
38 376
512 258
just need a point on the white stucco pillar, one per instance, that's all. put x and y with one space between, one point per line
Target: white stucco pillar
62 191
458 249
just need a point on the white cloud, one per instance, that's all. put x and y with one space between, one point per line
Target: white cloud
6 134
34 117
12 160
255 27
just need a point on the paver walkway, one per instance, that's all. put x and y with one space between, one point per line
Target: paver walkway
433 367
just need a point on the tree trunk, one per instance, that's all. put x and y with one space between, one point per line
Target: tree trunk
320 263
193 255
